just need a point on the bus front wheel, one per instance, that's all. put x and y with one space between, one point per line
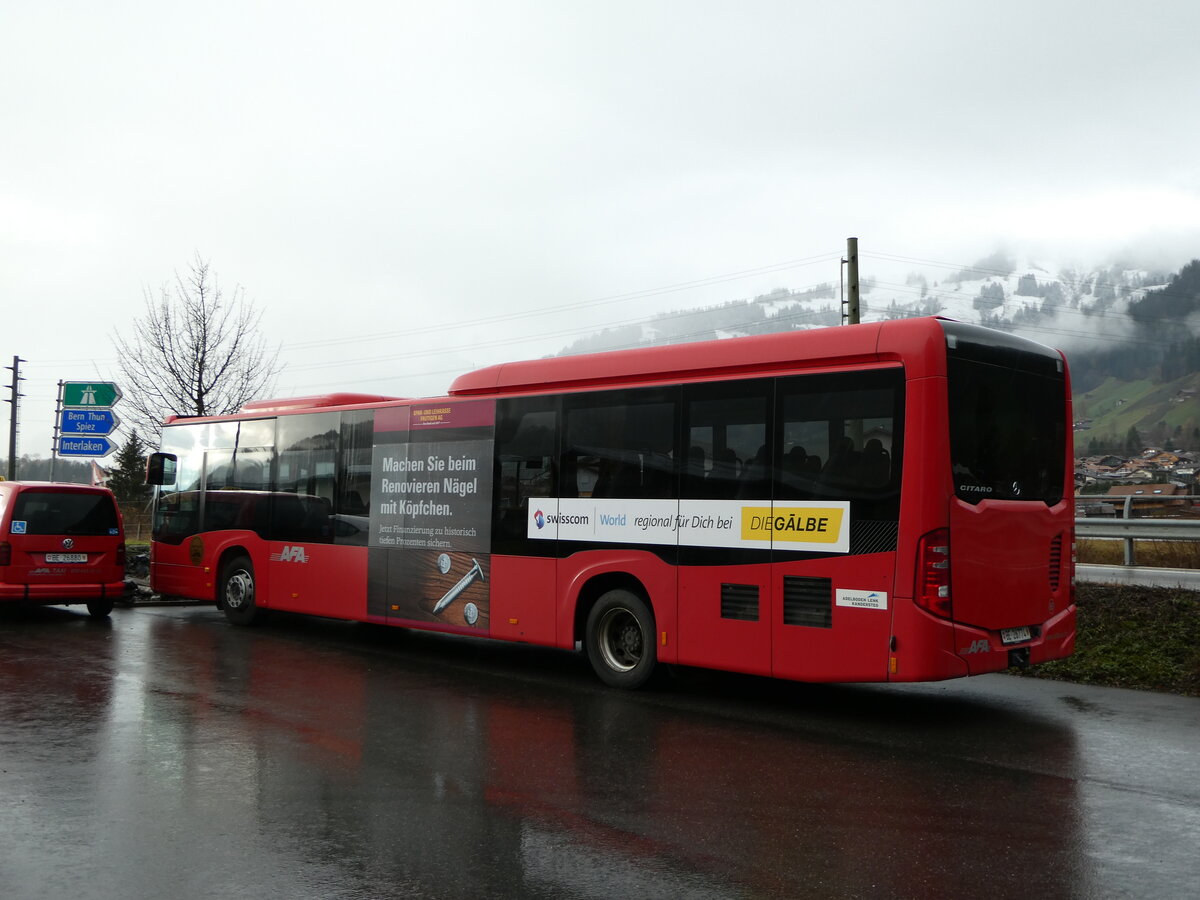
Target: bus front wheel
620 639
236 591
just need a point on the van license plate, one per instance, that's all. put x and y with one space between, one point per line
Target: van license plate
66 557
1014 635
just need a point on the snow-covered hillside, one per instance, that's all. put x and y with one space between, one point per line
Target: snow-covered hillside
1063 306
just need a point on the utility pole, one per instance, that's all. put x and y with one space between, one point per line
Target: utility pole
57 420
850 303
15 388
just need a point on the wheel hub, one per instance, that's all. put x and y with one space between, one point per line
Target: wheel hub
621 640
239 591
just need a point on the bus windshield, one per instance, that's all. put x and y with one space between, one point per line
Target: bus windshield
1007 419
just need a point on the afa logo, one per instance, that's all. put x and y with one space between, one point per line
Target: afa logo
539 519
290 553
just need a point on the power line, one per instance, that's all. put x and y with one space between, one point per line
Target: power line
934 294
635 295
521 339
534 313
578 305
800 316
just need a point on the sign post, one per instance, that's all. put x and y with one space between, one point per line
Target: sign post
86 418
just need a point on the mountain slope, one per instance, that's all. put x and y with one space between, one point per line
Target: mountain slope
1165 414
1125 331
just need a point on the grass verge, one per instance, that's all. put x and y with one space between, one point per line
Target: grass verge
1161 554
1133 637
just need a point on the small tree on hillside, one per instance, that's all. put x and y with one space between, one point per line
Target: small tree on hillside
1133 442
127 479
195 352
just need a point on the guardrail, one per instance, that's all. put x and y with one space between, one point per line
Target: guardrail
1130 530
1141 576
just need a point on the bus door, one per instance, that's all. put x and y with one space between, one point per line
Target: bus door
523 583
306 574
175 566
833 524
725 603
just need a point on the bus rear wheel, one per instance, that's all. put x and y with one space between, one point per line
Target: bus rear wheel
620 640
100 608
236 591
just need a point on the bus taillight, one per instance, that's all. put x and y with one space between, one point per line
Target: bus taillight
933 573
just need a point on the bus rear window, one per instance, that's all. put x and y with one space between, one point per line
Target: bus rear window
66 512
1007 399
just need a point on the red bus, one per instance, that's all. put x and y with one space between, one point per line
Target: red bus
878 502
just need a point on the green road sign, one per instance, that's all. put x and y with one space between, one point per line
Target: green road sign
93 394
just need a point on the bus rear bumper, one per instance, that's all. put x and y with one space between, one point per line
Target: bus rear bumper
945 650
986 650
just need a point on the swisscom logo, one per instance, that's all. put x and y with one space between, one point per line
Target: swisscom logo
560 519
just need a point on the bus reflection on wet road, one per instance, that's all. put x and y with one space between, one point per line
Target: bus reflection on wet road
167 753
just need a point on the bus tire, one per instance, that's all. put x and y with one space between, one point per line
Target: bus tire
620 640
236 591
100 608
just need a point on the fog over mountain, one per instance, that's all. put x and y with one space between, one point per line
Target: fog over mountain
1131 331
1079 309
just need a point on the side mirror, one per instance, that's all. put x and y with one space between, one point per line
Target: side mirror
160 468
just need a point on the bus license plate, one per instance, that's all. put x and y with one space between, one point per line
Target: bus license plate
1014 635
66 557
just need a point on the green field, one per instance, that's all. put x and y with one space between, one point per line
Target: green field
1163 413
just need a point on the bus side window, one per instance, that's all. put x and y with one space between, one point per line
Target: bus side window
729 424
351 513
525 448
306 469
841 437
621 444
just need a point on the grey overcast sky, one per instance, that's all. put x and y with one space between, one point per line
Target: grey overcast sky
395 183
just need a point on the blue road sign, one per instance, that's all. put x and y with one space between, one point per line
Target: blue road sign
85 446
96 422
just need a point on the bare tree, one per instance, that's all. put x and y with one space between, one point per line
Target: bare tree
195 352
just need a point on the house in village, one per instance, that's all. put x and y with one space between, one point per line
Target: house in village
1150 499
1162 459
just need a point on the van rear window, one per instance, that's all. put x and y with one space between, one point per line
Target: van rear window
65 512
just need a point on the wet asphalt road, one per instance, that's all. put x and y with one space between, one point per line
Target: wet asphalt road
169 754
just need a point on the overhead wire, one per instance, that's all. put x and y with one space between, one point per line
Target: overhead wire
578 305
566 332
936 293
595 302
